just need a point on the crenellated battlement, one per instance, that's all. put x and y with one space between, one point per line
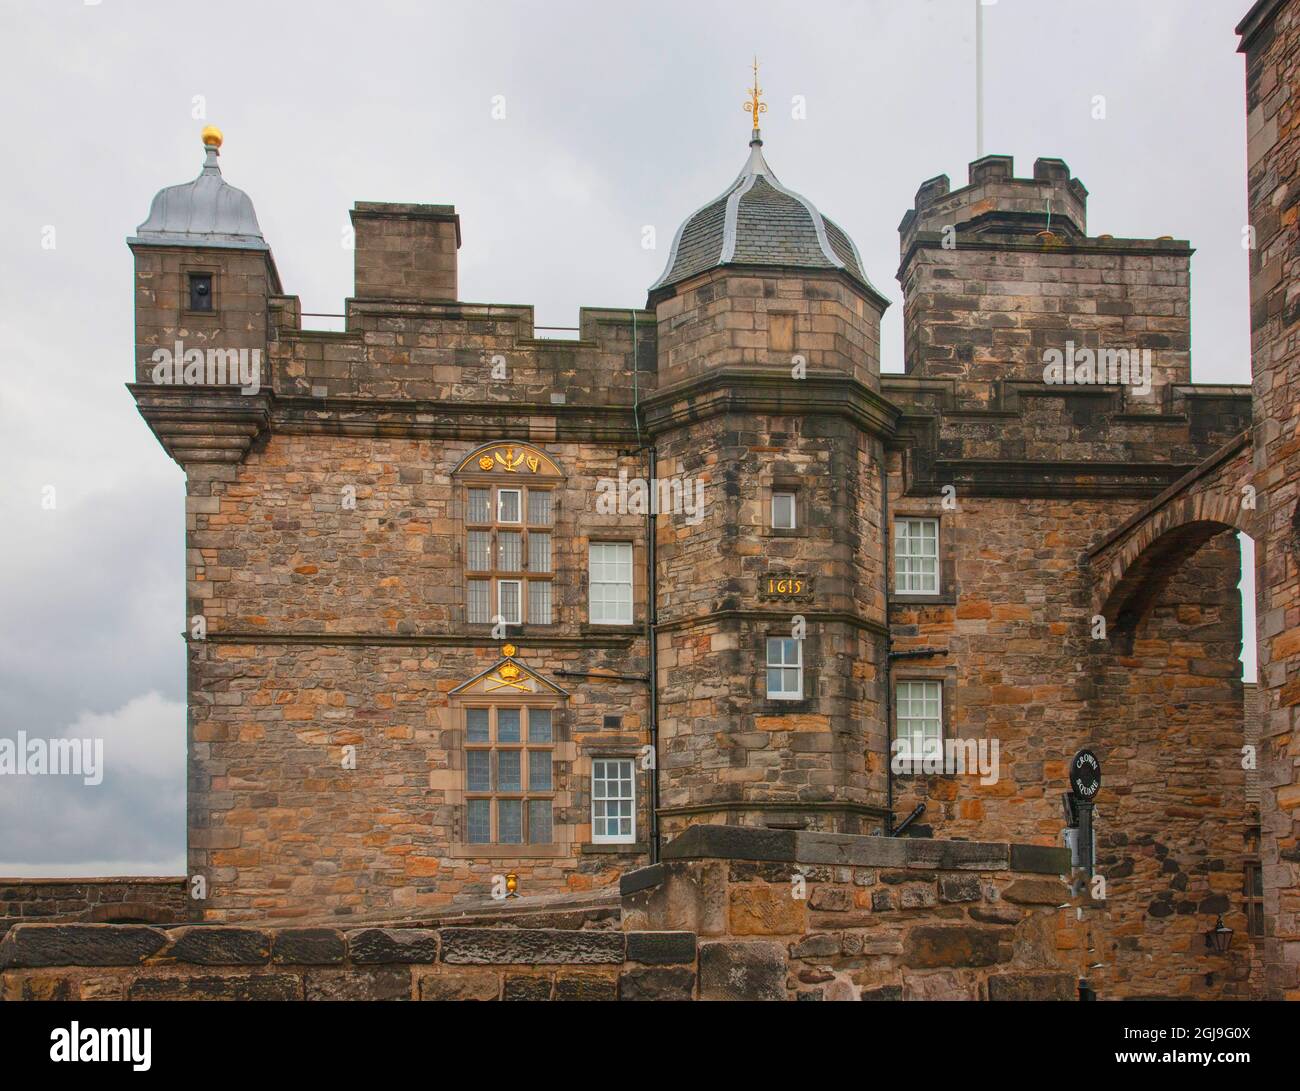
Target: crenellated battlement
464 352
1001 280
996 202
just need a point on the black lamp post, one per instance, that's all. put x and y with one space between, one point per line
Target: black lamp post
1219 938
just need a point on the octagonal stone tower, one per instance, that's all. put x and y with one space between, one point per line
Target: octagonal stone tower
771 621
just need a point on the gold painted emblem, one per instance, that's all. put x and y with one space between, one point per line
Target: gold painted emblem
534 462
510 461
486 463
509 677
509 650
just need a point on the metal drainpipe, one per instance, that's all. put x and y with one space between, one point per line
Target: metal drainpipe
652 600
889 685
652 603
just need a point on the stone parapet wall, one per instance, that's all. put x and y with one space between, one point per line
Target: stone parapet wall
130 898
720 918
466 354
123 962
812 916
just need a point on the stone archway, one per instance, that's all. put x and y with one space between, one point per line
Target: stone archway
1166 713
1131 564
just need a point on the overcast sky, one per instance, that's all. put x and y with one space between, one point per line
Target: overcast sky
617 117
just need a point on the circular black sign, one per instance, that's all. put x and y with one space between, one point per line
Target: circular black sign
1085 775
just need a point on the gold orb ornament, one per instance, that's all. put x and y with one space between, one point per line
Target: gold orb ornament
212 137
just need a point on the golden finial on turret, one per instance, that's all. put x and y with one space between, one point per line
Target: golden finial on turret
754 107
212 137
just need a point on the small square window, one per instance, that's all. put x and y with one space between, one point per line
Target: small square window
783 511
784 669
200 285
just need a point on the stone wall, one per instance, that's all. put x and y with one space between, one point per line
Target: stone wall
1271 41
1172 819
793 915
133 898
719 919
218 962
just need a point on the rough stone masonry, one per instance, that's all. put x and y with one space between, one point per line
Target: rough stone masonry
421 658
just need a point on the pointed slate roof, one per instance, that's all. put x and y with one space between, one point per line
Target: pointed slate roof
758 221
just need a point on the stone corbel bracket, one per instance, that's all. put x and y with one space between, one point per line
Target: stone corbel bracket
203 423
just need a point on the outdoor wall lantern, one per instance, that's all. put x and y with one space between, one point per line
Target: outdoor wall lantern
1219 938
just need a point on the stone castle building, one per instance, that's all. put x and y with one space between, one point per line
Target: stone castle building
438 632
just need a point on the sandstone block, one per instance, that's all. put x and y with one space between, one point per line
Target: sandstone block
528 947
79 945
660 948
677 983
754 970
219 945
308 946
373 945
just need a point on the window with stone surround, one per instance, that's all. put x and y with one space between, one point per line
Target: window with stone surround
610 583
508 569
509 774
613 801
918 712
916 556
784 669
784 509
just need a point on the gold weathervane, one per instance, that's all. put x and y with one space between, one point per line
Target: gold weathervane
754 107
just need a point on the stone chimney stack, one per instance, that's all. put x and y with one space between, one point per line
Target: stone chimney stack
405 251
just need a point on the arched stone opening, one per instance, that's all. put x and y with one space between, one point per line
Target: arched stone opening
1176 831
